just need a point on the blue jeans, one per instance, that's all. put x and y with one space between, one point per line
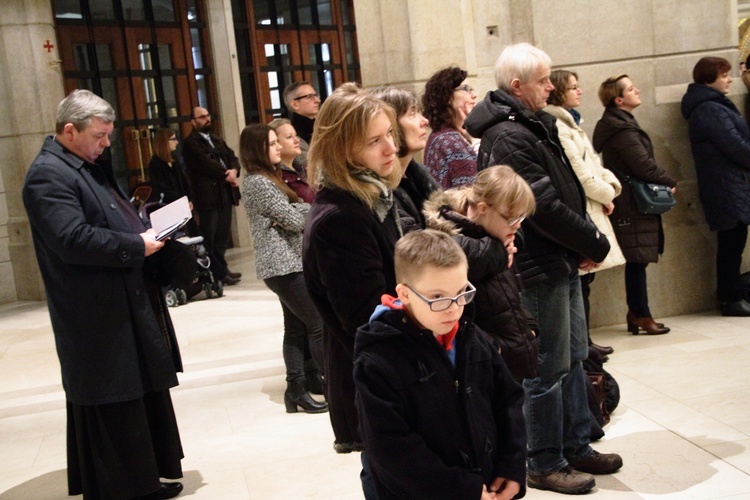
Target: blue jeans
558 422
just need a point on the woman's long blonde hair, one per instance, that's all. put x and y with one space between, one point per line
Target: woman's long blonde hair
340 135
498 186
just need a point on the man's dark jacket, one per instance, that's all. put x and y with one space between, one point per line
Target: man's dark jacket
559 232
111 344
206 173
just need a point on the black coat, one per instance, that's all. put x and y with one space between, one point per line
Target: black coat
432 430
415 188
347 261
111 344
169 180
720 139
558 233
499 310
206 173
627 149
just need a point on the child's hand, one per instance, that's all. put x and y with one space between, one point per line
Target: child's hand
486 495
511 248
504 489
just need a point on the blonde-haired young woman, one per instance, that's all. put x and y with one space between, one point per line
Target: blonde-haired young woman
349 238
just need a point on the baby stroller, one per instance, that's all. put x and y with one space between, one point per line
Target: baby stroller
189 262
203 280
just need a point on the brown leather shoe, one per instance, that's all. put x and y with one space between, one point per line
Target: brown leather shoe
597 463
567 481
647 324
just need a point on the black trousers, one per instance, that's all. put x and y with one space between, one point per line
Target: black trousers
731 245
636 289
216 228
120 450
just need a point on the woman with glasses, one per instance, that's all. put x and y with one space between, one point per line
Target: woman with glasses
166 173
448 99
599 184
277 216
485 219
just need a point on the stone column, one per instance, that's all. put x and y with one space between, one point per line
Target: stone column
30 89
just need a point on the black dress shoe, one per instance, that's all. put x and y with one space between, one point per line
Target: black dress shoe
167 490
234 275
603 350
229 281
738 308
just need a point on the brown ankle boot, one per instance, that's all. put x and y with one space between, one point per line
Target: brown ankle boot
647 324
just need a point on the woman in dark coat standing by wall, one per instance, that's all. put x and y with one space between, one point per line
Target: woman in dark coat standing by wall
627 150
720 139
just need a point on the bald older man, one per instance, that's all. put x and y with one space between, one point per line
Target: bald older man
214 172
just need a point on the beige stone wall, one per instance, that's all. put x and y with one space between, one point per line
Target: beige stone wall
30 88
656 42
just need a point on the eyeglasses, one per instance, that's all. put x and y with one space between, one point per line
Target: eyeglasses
574 87
512 221
207 115
314 95
173 139
443 303
465 88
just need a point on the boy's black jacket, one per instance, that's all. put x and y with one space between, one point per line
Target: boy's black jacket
431 430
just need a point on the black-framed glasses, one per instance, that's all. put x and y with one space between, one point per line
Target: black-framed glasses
314 95
207 115
465 88
443 303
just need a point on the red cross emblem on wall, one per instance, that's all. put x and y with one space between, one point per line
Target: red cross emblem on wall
48 46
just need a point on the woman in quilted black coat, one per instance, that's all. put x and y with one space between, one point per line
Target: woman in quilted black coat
720 140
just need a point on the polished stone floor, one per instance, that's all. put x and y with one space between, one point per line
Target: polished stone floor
683 425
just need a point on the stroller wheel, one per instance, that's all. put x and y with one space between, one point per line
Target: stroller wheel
181 296
219 288
207 290
171 298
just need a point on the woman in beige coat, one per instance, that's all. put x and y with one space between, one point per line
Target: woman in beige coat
600 185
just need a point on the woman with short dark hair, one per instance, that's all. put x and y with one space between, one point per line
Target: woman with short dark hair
448 99
720 140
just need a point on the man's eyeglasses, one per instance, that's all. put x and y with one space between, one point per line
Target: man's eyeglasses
443 303
314 95
207 115
465 88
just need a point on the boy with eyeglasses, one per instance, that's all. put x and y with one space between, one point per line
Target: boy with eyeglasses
439 412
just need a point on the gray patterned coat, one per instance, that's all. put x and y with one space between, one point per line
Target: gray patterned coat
276 226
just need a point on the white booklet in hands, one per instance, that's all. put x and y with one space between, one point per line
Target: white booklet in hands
171 218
